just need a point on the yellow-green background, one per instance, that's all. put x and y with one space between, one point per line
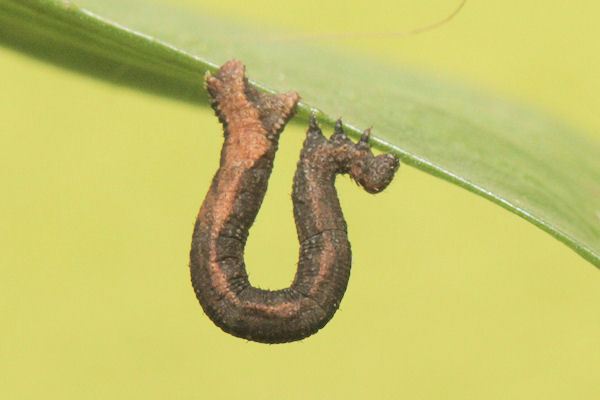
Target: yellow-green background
451 297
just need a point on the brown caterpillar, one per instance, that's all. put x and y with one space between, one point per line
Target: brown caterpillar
253 121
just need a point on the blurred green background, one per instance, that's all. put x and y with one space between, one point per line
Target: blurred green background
450 296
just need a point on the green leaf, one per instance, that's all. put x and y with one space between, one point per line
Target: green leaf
526 162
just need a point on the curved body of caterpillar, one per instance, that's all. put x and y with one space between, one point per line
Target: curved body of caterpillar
253 121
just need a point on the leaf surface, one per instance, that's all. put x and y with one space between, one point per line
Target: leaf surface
525 161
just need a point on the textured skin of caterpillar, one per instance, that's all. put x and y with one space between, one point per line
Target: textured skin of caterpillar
252 122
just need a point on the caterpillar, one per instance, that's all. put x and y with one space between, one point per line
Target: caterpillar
252 122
